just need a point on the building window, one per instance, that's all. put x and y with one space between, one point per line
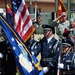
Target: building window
73 15
72 5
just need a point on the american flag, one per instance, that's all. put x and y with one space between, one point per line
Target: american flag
22 20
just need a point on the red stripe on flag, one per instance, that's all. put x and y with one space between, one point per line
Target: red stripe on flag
27 20
20 18
24 11
23 21
18 24
29 33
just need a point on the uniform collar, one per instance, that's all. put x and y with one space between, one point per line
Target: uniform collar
68 53
49 39
31 40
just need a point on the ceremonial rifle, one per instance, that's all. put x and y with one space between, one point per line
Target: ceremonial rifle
74 46
54 22
60 55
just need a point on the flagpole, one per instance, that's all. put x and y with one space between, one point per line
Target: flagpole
5 7
35 10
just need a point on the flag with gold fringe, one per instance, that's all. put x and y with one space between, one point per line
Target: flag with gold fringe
27 64
22 20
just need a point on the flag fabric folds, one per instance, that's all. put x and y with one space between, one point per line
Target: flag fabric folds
61 8
23 57
22 20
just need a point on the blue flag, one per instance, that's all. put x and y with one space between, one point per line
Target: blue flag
27 63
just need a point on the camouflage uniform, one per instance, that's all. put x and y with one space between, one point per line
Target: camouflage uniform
38 28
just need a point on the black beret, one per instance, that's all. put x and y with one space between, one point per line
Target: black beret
67 42
47 27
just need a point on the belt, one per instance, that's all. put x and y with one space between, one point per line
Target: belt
46 59
68 72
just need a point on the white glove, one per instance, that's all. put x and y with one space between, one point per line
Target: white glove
32 53
1 55
61 66
45 69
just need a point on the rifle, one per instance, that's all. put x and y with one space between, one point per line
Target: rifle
74 46
60 56
58 71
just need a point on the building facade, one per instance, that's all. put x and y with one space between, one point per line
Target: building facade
43 5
